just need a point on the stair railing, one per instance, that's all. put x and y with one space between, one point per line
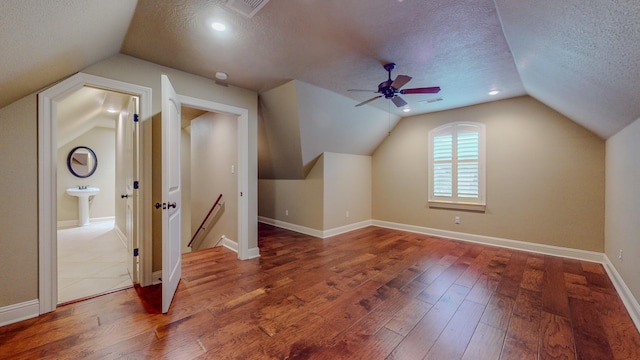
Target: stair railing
217 205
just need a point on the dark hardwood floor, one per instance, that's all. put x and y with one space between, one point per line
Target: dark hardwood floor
373 293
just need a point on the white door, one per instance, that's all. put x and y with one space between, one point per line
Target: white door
171 193
131 173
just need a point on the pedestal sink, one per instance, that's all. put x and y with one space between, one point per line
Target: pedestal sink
83 194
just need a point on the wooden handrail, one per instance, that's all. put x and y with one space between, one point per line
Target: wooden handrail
205 219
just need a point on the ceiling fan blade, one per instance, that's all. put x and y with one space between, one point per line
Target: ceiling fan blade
371 91
370 100
398 101
424 90
400 81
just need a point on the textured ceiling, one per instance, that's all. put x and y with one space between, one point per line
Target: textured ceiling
336 45
581 57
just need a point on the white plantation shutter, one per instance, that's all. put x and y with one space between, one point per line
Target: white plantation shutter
443 165
468 153
457 164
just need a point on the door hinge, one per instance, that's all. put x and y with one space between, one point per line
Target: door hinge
135 118
135 252
136 185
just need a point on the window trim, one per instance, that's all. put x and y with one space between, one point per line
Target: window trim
443 203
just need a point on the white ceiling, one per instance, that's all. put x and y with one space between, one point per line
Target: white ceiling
88 108
580 57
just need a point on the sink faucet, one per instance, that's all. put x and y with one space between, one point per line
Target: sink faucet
82 187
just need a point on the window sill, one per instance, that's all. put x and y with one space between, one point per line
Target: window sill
457 206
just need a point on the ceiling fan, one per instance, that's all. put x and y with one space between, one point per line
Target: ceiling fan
390 89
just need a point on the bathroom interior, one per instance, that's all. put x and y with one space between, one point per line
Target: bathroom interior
93 192
92 252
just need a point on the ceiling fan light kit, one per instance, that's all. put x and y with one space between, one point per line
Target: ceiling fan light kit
390 89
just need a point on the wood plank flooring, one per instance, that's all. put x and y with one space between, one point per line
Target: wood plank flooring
372 293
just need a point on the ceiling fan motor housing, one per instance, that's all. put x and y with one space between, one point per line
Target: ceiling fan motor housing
390 88
385 89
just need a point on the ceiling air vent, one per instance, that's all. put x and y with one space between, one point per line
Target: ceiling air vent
430 101
247 8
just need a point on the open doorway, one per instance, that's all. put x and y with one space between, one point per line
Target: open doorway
95 220
48 103
209 151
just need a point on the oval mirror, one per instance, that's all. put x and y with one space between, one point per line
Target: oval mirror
82 161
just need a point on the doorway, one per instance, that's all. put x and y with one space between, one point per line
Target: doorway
95 145
209 151
240 169
48 103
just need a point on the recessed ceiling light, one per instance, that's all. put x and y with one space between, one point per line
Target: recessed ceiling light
494 92
218 26
406 109
221 76
112 110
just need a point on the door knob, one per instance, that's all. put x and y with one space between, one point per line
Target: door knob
172 205
124 196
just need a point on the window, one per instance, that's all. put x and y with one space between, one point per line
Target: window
457 166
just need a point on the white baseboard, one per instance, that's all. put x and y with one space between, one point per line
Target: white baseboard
289 226
233 246
346 228
156 277
229 244
578 254
18 312
314 232
121 236
70 223
627 297
253 253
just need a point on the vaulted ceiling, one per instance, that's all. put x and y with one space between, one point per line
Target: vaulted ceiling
580 57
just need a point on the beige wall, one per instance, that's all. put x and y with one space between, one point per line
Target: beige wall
302 199
279 149
347 189
337 183
19 193
103 142
622 228
214 144
545 176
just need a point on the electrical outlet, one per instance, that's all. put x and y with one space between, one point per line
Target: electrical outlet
286 213
457 219
620 255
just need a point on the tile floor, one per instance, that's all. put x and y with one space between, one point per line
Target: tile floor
91 261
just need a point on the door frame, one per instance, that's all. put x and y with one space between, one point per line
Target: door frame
47 182
242 167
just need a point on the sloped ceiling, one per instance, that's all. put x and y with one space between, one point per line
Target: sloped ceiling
298 125
581 57
88 108
43 42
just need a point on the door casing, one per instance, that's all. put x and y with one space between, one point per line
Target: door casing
47 182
